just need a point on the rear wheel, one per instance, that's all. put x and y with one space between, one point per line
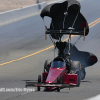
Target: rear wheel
46 66
78 79
39 81
76 66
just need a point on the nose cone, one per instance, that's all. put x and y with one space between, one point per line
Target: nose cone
53 74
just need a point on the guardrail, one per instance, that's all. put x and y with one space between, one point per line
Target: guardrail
21 12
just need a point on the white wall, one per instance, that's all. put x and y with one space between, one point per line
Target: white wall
21 12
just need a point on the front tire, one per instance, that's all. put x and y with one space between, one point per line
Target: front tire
39 81
58 82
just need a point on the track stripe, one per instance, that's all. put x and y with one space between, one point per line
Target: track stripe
94 21
94 24
94 98
90 25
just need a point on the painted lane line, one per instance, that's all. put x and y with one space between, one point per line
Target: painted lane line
94 21
26 56
45 48
94 24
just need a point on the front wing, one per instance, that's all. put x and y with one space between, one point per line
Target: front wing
35 84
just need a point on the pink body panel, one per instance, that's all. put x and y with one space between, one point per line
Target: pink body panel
54 73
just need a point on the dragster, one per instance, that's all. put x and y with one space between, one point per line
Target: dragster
67 69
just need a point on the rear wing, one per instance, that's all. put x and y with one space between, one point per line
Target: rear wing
65 32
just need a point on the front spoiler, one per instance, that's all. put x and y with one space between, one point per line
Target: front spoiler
35 84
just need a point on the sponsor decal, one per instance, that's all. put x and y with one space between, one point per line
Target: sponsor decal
72 80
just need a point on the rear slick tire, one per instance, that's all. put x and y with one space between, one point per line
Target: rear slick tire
46 68
76 65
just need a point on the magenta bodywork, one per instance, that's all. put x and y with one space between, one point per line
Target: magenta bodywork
54 73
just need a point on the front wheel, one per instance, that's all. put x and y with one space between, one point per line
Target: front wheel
58 89
58 82
39 81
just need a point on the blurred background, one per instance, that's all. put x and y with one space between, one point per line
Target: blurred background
6 5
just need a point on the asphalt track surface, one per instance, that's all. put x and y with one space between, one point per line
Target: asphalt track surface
21 57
